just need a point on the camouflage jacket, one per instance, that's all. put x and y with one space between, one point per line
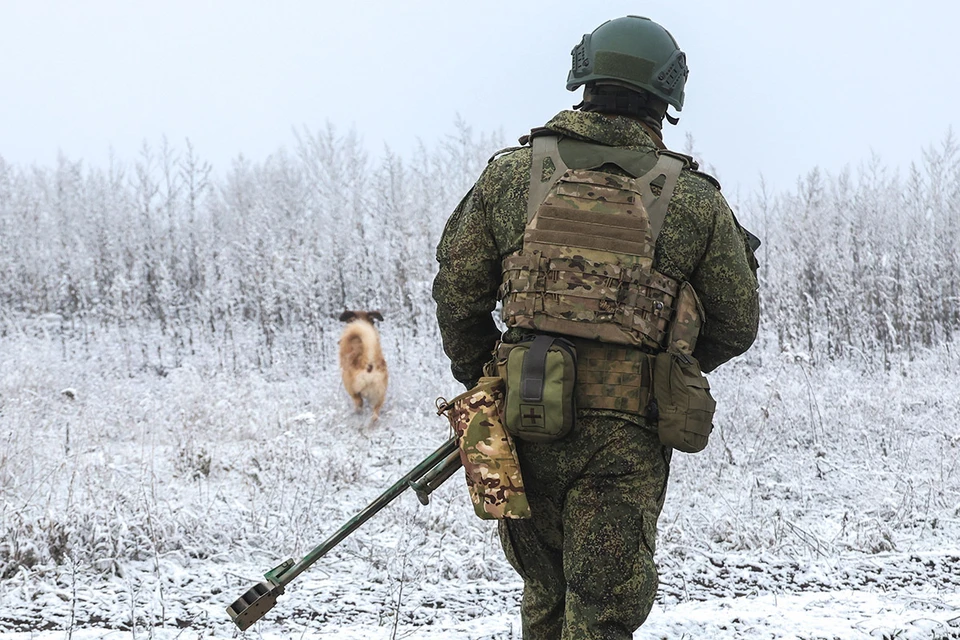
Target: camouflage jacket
700 241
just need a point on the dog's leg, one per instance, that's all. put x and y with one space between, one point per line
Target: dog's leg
357 402
376 407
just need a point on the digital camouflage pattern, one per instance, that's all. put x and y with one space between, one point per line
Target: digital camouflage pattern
586 265
586 553
700 242
586 557
487 453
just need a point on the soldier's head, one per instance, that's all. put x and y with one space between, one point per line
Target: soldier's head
629 66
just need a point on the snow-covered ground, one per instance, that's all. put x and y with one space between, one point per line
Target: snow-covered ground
140 494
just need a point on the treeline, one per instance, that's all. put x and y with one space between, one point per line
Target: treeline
860 263
287 242
863 264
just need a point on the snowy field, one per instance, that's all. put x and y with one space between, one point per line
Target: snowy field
142 491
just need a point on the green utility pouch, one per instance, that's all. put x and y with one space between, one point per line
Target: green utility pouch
682 407
540 377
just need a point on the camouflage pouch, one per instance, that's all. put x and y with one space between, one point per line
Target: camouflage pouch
540 375
682 407
487 452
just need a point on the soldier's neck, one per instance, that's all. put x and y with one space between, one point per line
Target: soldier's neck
654 132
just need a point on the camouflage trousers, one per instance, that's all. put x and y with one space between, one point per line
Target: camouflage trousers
586 554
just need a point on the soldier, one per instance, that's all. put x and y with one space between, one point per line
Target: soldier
586 554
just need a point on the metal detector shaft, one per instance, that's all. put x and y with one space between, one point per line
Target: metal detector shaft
436 477
424 478
354 523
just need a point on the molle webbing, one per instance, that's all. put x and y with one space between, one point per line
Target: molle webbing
581 298
612 377
560 221
585 269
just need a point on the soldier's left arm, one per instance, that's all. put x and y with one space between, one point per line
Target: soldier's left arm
702 242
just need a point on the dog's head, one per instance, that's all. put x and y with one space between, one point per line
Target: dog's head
366 316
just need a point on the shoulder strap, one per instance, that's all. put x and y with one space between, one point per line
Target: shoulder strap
668 167
543 147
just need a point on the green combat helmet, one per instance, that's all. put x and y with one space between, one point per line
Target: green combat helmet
635 52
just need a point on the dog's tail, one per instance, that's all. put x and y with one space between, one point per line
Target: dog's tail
360 348
352 350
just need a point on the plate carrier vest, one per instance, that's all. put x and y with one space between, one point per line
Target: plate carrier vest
585 270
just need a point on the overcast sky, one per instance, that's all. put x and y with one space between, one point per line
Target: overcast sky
774 89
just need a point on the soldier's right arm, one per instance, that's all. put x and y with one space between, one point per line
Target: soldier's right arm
487 225
465 289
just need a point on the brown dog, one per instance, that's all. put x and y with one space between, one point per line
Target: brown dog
361 361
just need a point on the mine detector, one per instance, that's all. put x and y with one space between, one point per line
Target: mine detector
429 474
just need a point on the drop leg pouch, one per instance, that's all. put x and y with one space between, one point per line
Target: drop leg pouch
487 452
